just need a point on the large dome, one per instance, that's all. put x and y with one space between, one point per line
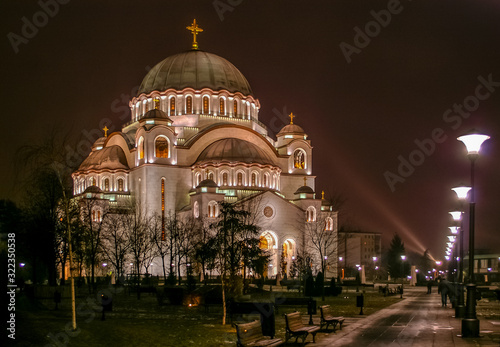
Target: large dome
195 69
231 150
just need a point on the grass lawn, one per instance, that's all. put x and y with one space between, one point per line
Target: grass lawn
144 323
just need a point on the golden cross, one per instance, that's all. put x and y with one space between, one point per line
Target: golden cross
195 29
291 117
105 131
305 181
322 195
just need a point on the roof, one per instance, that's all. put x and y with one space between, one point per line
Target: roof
233 150
305 189
156 113
111 158
207 183
195 69
291 129
93 189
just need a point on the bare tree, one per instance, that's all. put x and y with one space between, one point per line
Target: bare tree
93 214
115 242
158 234
135 225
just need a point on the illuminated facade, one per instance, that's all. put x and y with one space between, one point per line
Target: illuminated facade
195 139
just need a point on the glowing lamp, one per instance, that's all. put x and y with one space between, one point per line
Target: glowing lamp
456 215
454 230
403 257
374 258
452 238
461 191
446 257
473 142
438 262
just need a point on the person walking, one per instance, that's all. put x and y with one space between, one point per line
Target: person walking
429 286
443 289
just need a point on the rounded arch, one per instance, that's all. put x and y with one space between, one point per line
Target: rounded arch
205 104
240 178
196 210
213 209
224 179
172 105
270 240
311 214
329 223
189 104
140 148
254 178
162 146
299 159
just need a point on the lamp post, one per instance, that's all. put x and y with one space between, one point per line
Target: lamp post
470 324
461 192
403 258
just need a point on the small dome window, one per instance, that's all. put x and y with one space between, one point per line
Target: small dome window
205 105
172 106
189 105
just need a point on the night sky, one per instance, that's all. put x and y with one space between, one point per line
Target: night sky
79 69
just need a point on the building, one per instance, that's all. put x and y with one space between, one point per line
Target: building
195 139
358 248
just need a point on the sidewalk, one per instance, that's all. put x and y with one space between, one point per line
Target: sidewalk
418 320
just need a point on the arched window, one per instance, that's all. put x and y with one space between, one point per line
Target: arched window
311 214
299 159
254 179
198 179
172 106
141 148
329 224
157 103
120 184
92 181
266 180
211 175
106 184
235 107
196 209
224 179
205 105
146 106
263 243
239 179
161 147
189 105
222 106
248 110
212 209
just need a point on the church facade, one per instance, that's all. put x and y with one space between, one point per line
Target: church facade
194 139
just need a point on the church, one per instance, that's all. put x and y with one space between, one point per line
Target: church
194 139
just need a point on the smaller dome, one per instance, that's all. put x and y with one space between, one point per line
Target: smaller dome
291 129
111 158
99 143
156 113
93 189
305 189
207 183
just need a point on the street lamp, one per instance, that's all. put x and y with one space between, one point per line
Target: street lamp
461 192
403 257
470 324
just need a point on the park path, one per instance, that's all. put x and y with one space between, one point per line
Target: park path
417 321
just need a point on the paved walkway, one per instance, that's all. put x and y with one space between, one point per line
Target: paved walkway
417 321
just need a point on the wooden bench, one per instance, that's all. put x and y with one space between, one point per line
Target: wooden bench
328 318
250 334
296 328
